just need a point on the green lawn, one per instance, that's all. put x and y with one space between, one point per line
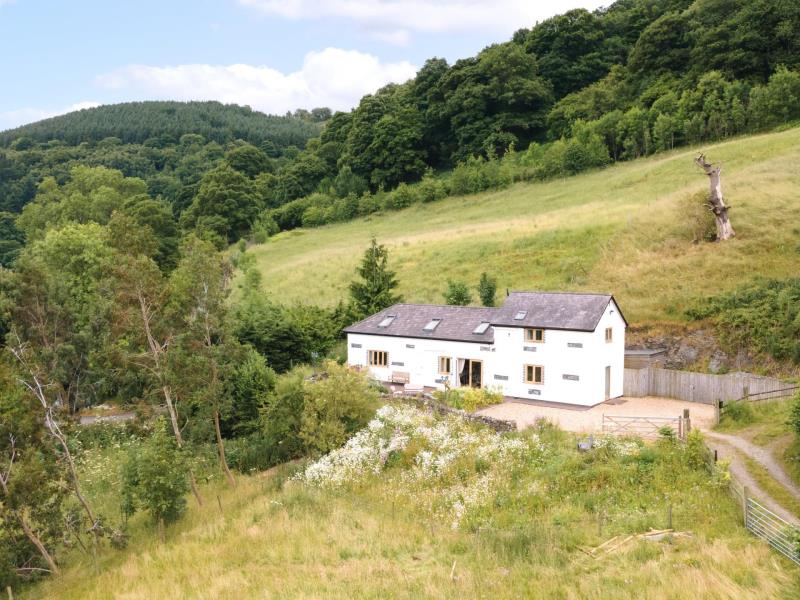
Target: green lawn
619 229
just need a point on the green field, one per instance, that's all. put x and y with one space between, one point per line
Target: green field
621 230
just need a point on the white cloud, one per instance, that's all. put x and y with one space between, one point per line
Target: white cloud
393 19
333 77
20 116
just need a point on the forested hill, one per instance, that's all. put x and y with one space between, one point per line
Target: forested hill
165 122
575 92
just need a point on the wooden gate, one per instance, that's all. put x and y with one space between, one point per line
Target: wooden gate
646 427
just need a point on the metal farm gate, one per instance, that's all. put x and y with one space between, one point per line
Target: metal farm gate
646 427
778 533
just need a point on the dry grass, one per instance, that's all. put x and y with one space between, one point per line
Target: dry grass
287 541
618 229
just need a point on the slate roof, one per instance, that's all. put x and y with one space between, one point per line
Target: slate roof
546 310
553 310
457 322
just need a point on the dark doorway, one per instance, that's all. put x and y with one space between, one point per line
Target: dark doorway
471 373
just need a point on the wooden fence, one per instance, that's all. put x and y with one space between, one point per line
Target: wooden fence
704 388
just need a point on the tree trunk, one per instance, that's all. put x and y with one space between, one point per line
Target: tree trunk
156 351
221 449
38 543
55 431
715 201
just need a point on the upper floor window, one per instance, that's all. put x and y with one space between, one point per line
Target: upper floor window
609 334
534 374
378 358
534 335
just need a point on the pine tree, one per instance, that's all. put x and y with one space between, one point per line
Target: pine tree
375 290
487 288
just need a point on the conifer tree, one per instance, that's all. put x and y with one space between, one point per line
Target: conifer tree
375 289
487 288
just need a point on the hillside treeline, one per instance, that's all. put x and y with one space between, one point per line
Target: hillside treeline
162 123
577 91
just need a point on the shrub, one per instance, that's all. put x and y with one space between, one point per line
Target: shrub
430 188
154 478
103 434
252 453
469 399
740 411
699 223
457 293
336 405
280 416
764 316
404 195
794 418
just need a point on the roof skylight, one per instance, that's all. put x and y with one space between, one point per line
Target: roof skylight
387 320
432 324
480 329
520 315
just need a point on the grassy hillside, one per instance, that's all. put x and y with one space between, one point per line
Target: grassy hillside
622 229
452 512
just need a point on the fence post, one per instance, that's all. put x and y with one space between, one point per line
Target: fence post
744 504
687 423
745 392
717 411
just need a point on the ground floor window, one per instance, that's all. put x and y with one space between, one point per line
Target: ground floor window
534 374
378 358
444 365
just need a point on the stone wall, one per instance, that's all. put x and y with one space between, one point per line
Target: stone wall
431 405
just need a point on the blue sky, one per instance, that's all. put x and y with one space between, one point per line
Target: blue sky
274 55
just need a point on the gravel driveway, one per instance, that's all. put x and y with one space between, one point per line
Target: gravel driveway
585 420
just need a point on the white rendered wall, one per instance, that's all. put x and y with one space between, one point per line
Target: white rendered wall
507 357
421 360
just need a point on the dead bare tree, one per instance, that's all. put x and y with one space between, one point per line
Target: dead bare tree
716 203
20 516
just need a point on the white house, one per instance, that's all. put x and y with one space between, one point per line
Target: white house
556 347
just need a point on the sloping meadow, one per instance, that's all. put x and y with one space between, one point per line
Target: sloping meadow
418 506
532 492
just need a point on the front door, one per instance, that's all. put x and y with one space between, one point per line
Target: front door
472 373
608 383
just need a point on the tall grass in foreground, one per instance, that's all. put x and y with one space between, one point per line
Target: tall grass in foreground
280 537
